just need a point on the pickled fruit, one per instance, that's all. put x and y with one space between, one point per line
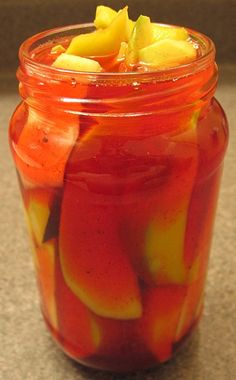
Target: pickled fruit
78 331
162 310
43 148
149 44
95 268
38 203
73 62
101 42
161 32
46 257
141 37
167 53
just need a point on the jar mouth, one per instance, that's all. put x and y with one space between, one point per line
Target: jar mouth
27 58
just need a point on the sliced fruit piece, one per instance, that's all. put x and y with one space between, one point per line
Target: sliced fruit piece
142 36
161 32
44 146
197 247
78 332
165 250
191 309
194 299
93 261
46 277
130 28
202 211
58 49
167 53
37 204
165 239
162 309
73 62
154 220
104 16
101 42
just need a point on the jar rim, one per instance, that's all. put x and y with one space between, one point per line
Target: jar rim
27 60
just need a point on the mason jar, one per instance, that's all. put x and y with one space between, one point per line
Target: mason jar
119 175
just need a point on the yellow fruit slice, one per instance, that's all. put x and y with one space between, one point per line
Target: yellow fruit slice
141 37
46 276
103 41
73 62
167 53
161 32
104 16
165 237
58 49
38 204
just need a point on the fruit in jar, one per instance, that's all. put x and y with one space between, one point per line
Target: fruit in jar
167 53
161 32
73 62
142 36
96 269
104 16
103 41
38 203
149 44
45 267
44 146
77 329
162 310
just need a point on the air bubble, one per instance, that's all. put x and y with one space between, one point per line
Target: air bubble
73 82
136 85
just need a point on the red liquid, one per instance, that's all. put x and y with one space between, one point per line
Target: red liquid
121 211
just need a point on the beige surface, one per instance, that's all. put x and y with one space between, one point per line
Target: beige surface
27 352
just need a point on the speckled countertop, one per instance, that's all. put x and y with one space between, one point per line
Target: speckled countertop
27 351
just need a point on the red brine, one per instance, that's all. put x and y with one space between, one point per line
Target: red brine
119 174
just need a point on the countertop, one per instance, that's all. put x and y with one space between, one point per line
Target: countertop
27 351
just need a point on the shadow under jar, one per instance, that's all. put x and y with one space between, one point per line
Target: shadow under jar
119 174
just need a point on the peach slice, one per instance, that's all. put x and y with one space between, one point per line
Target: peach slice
73 62
167 53
154 228
95 266
162 310
44 146
103 41
46 278
58 49
78 331
161 32
142 36
104 16
165 237
38 203
195 295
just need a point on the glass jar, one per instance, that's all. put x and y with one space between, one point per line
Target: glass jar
119 174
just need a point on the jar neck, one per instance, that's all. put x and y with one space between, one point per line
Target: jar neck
116 94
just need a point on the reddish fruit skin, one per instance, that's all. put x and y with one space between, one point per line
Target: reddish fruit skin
77 331
162 310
